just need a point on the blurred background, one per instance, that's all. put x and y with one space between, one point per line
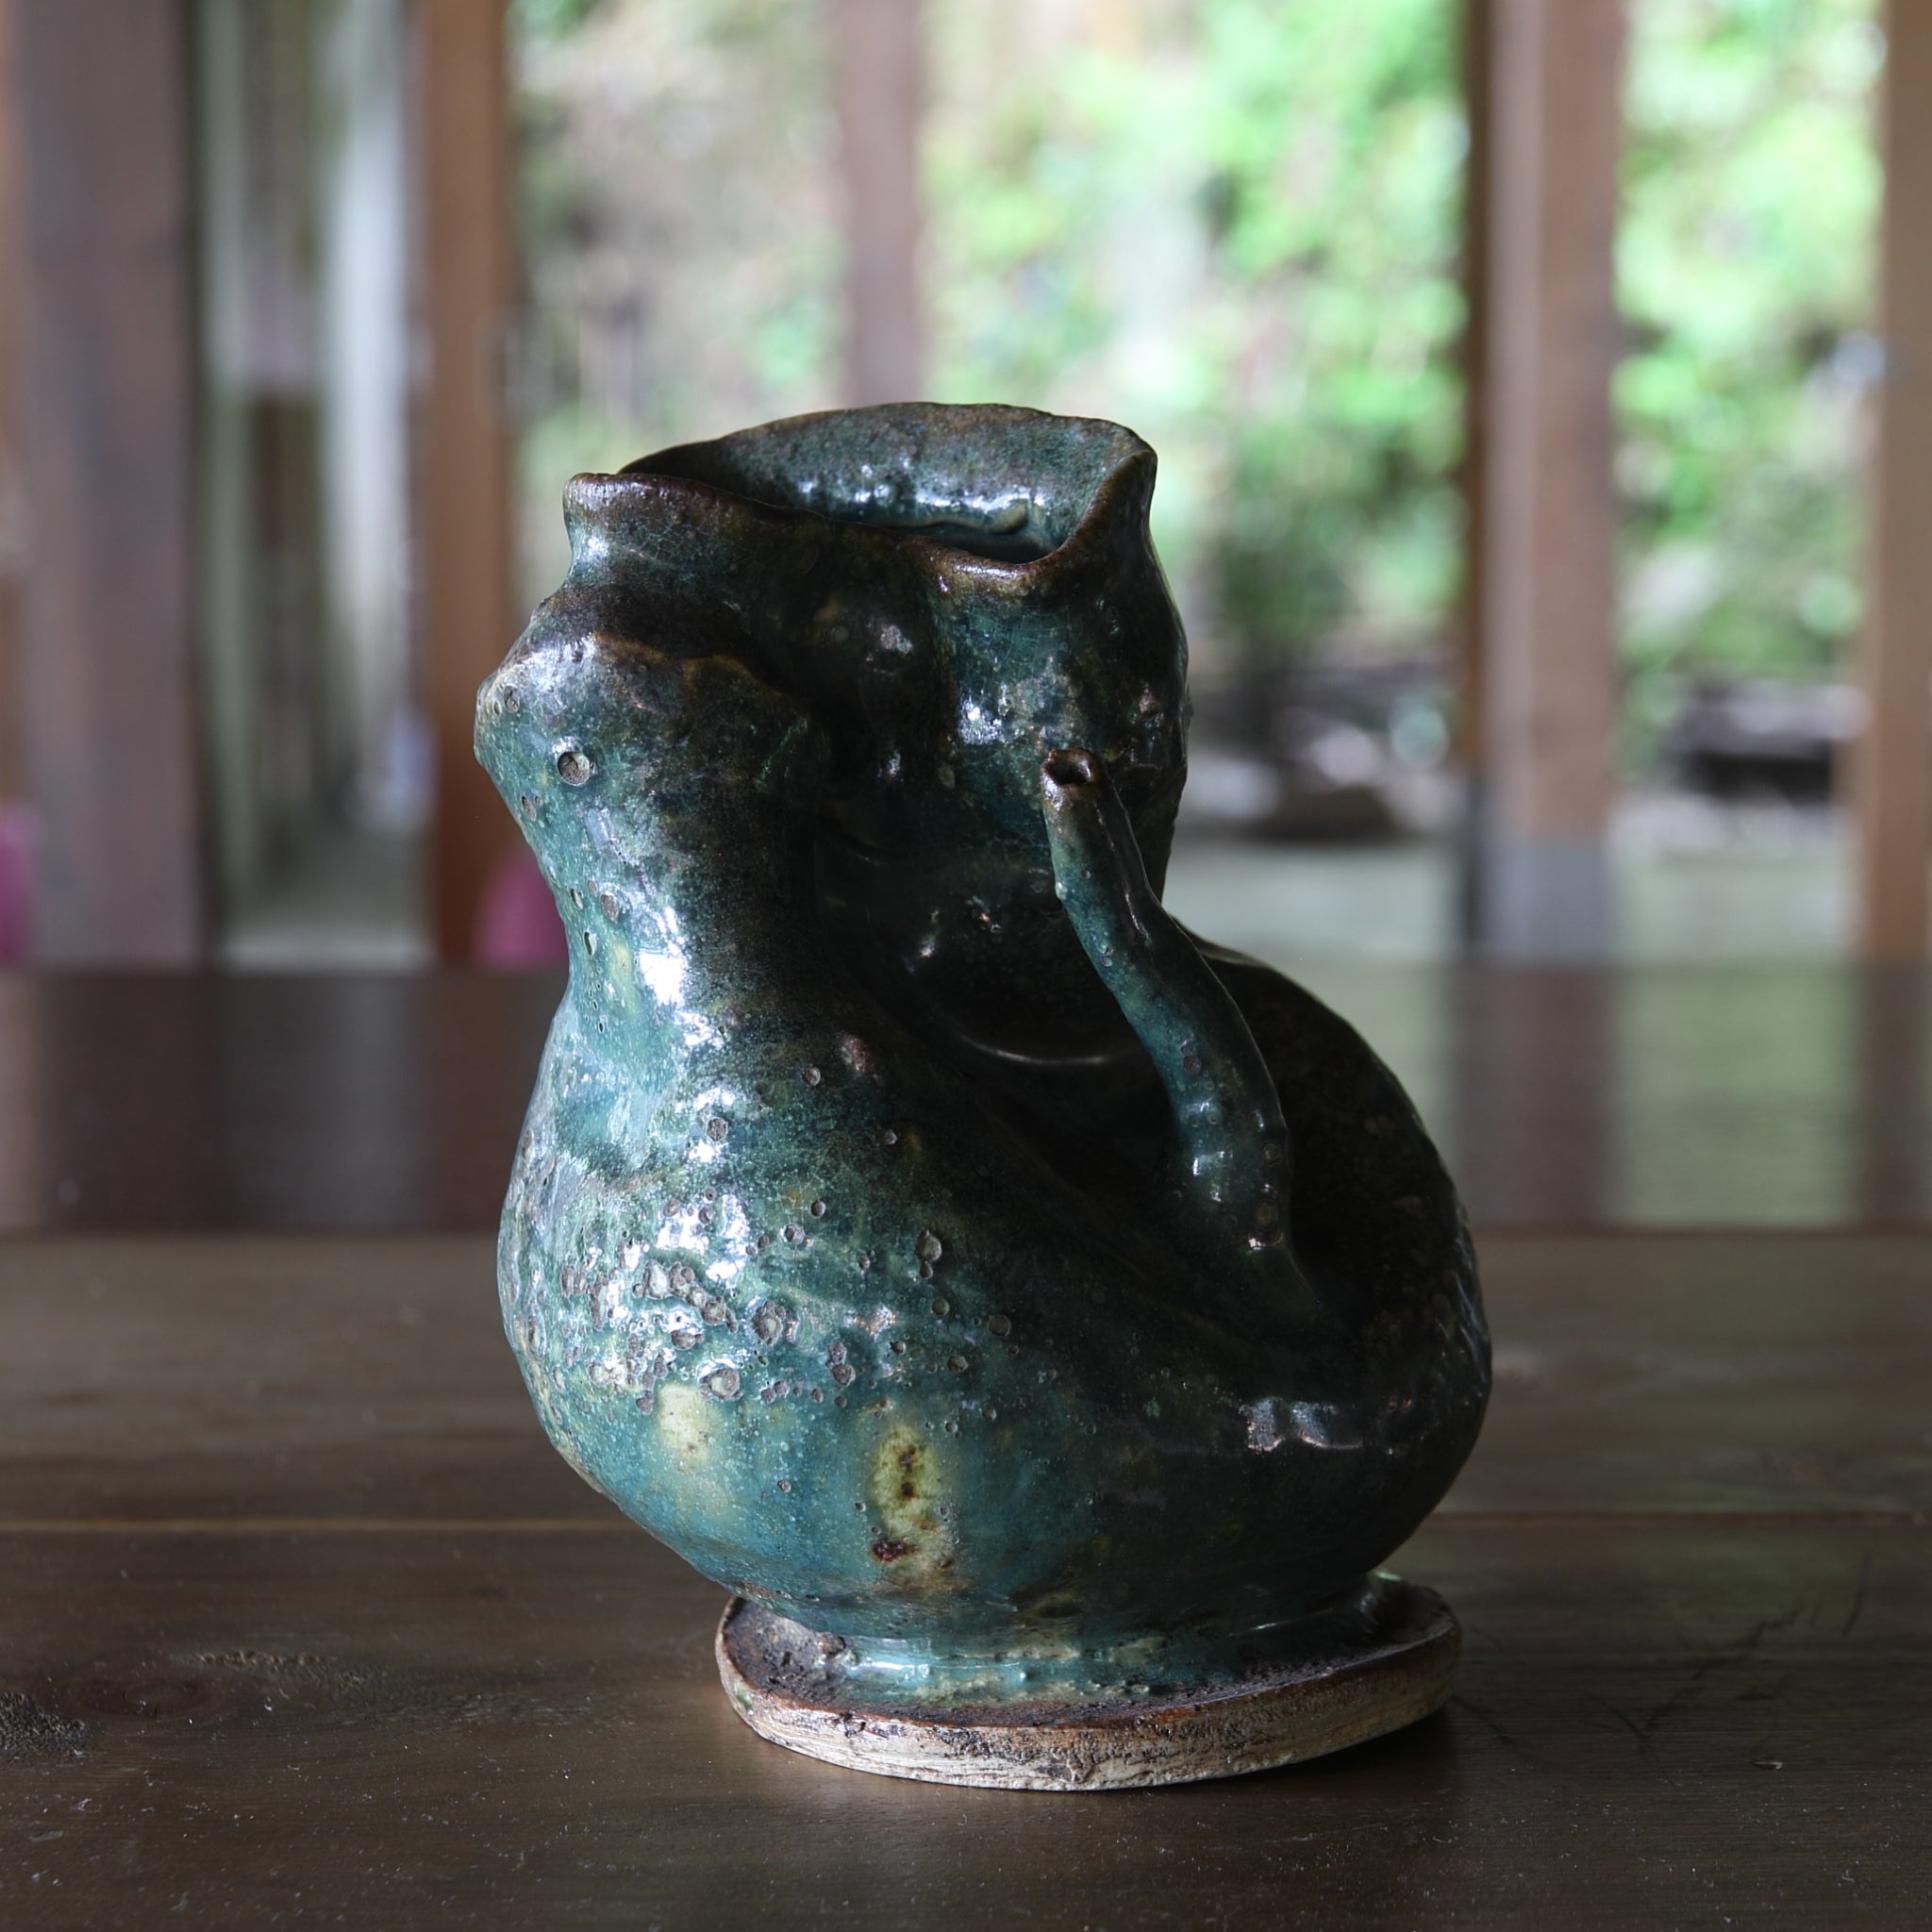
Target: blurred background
1542 391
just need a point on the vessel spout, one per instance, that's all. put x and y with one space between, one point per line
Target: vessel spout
1229 1186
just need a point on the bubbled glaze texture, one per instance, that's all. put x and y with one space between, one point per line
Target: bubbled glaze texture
913 1227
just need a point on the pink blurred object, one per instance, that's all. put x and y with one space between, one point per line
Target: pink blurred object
518 924
16 883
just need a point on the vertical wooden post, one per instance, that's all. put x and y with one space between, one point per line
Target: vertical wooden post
1893 781
1531 1107
10 746
880 66
1468 669
465 576
105 391
1891 1150
25 1104
1547 579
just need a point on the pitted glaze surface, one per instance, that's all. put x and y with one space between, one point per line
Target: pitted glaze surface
913 1226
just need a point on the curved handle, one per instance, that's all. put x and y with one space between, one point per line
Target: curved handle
1233 1142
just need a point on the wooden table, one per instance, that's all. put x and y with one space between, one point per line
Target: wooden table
302 1622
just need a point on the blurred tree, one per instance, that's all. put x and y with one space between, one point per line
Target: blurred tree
681 259
1746 272
1233 224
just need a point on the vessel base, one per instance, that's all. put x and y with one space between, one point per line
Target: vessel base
1351 1692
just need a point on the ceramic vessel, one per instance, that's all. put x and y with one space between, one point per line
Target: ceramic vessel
1042 1321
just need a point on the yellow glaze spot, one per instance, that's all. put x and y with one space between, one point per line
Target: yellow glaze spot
686 1417
914 1545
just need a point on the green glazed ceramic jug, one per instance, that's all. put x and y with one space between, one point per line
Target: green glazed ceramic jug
1039 1321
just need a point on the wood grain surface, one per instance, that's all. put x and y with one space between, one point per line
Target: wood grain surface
301 1622
273 1378
1651 1726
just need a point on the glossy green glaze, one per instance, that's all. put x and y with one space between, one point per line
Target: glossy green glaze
913 1226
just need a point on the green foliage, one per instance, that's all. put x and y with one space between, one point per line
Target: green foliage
1751 187
1234 223
680 247
549 20
1236 230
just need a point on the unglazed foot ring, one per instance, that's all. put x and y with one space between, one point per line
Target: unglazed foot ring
1283 1715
